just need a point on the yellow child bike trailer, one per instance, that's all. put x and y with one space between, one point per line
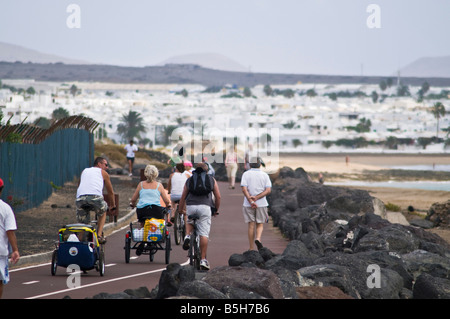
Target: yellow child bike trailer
78 245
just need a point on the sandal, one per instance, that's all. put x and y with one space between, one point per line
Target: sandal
258 244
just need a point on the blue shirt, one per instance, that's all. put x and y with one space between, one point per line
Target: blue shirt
149 197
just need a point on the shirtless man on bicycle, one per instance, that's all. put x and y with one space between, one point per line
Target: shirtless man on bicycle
90 191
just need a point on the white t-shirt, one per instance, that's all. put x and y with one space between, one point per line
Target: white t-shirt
91 182
256 182
131 149
177 183
7 222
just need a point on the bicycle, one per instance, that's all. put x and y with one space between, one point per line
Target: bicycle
194 244
194 252
179 227
160 240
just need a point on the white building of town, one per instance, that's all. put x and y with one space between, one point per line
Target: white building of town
302 123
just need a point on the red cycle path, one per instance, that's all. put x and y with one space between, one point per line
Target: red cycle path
228 236
229 231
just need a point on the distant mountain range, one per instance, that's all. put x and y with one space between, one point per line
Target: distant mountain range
207 60
208 69
13 53
428 67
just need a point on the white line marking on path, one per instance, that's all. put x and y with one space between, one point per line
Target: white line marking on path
101 282
29 267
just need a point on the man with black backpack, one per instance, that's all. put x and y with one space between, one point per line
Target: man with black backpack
197 198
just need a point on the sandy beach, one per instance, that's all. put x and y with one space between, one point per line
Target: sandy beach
335 164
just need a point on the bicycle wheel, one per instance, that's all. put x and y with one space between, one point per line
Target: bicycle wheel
54 262
183 228
194 258
168 248
127 249
177 227
101 260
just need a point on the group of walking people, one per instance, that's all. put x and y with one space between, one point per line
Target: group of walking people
152 200
150 197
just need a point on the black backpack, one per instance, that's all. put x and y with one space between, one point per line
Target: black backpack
200 183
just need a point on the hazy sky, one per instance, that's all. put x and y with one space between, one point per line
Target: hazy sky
277 36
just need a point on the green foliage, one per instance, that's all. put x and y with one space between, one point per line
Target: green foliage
289 125
287 93
296 142
362 127
358 142
14 138
392 207
31 91
132 126
247 92
212 89
424 141
231 95
60 113
54 186
311 93
267 90
403 90
43 122
438 111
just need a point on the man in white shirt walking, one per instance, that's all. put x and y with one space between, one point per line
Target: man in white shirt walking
131 148
7 236
256 185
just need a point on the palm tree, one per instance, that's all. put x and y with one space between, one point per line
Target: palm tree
132 126
167 133
438 111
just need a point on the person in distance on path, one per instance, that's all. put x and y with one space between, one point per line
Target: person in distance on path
131 148
256 185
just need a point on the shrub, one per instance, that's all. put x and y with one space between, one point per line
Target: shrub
392 207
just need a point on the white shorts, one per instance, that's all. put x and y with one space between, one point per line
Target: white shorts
232 169
259 214
4 270
204 223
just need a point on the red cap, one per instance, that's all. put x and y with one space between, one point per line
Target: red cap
1 182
